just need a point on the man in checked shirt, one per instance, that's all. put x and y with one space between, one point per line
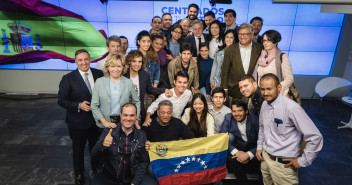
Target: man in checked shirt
282 123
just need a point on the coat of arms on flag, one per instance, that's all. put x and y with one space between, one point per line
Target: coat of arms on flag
192 161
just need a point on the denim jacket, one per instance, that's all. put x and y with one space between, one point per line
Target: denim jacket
153 69
215 76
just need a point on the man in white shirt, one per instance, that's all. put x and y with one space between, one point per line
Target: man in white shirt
197 37
180 98
113 45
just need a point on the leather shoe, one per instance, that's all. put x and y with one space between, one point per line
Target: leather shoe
79 180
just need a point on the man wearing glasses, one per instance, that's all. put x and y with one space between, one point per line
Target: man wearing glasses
239 60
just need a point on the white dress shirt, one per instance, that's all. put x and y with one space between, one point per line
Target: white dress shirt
201 40
90 77
246 56
242 127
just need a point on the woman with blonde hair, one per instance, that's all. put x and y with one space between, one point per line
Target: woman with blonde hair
111 92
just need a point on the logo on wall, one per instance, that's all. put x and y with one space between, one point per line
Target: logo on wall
21 40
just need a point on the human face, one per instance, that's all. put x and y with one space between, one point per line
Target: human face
167 20
181 84
192 13
198 29
186 56
176 34
215 30
208 19
124 45
238 113
268 45
204 52
229 39
229 19
82 61
218 100
144 43
270 91
185 26
128 117
114 47
156 24
115 71
164 114
136 64
245 36
257 26
247 88
198 105
158 44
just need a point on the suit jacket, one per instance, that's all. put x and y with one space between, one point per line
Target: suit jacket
252 128
101 98
232 68
72 91
192 40
145 86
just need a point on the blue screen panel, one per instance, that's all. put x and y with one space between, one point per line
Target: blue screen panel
130 11
91 10
125 29
309 15
306 38
48 64
286 33
12 66
311 63
273 14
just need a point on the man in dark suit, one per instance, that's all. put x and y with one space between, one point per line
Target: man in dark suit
243 128
257 23
196 38
75 93
239 59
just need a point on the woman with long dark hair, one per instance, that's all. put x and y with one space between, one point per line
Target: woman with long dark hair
215 37
198 118
175 40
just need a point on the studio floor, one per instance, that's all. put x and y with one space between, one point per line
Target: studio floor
35 148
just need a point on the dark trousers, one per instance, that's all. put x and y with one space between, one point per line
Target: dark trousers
102 179
79 139
240 170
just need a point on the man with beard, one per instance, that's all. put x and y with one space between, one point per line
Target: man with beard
257 23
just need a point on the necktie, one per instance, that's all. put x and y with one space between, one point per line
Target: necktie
87 82
199 41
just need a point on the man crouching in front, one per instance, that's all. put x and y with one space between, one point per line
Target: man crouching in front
121 152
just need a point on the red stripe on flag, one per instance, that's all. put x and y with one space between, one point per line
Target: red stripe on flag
193 178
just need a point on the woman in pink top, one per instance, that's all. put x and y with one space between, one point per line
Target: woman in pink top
273 60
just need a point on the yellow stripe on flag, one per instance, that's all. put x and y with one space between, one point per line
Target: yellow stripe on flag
180 148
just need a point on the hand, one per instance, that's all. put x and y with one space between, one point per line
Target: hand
212 85
195 59
193 90
85 106
147 146
108 139
147 122
259 156
242 156
109 125
155 85
169 57
137 124
168 93
293 163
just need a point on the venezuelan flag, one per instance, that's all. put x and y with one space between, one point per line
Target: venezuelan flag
192 161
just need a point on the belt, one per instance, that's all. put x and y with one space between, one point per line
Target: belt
278 159
115 119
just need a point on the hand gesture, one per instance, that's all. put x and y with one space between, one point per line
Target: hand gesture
109 125
293 163
147 122
147 146
85 106
212 85
168 93
108 139
242 156
259 156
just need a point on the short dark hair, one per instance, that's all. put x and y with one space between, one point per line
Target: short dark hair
218 90
81 51
157 36
156 17
209 13
194 6
271 76
166 14
181 74
123 37
185 46
113 38
247 77
273 36
258 19
240 103
129 104
230 11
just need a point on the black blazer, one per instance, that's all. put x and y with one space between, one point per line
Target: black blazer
145 86
72 91
192 40
252 129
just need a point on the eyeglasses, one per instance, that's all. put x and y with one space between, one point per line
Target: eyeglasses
244 34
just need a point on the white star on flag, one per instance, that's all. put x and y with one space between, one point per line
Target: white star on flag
198 159
176 170
193 158
182 162
203 162
188 159
205 166
179 166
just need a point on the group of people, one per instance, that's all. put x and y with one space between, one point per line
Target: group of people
202 78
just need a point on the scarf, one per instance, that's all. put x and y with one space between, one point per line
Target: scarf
265 59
